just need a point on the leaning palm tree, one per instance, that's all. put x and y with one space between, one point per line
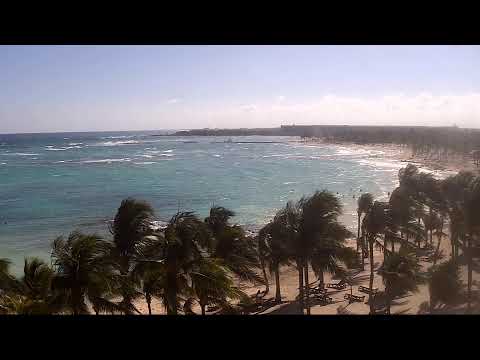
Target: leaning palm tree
444 284
229 243
365 201
317 221
129 228
375 224
83 273
274 247
399 272
211 284
178 249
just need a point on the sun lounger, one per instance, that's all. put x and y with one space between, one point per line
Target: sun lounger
324 298
426 259
366 290
338 286
354 298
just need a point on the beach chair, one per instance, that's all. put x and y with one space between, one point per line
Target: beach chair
337 286
426 259
354 298
366 290
324 298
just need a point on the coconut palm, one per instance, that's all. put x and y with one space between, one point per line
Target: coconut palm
463 194
399 272
317 225
129 228
444 284
83 273
365 201
211 284
229 243
178 250
375 223
273 243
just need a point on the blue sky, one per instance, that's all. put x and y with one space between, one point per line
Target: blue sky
81 88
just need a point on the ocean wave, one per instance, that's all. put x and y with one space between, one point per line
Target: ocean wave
382 164
74 144
168 155
3 163
51 148
145 163
146 156
117 143
168 151
21 154
217 155
105 161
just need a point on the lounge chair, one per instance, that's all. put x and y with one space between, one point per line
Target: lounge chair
354 298
338 286
324 298
366 290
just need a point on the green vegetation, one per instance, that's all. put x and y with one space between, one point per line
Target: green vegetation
194 262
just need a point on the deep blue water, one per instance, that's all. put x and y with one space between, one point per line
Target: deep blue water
51 184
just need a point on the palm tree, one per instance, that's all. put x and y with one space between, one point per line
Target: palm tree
365 201
83 273
463 194
229 243
375 224
273 243
399 272
317 226
444 284
178 249
212 284
130 227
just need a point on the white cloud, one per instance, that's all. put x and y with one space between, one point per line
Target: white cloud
393 109
173 101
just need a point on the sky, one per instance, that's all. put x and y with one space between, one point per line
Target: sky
114 88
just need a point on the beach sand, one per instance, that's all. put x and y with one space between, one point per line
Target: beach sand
413 303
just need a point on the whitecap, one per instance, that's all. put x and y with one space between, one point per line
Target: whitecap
217 155
23 154
74 144
168 155
117 143
105 161
3 163
168 151
145 163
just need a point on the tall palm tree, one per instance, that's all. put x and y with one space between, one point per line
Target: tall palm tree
463 195
230 244
399 272
273 243
83 273
444 284
365 201
130 227
317 225
178 249
212 284
375 224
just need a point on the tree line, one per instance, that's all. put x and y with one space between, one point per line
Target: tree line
199 263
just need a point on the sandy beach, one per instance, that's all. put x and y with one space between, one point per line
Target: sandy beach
412 303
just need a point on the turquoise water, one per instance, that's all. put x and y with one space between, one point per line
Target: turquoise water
51 184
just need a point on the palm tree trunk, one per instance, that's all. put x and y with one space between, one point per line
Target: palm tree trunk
267 288
363 249
149 304
358 232
307 289
300 284
469 269
202 306
370 297
278 296
388 298
321 284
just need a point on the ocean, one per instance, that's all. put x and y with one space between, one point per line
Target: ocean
51 184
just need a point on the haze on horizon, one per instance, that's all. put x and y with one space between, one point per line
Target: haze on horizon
114 88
